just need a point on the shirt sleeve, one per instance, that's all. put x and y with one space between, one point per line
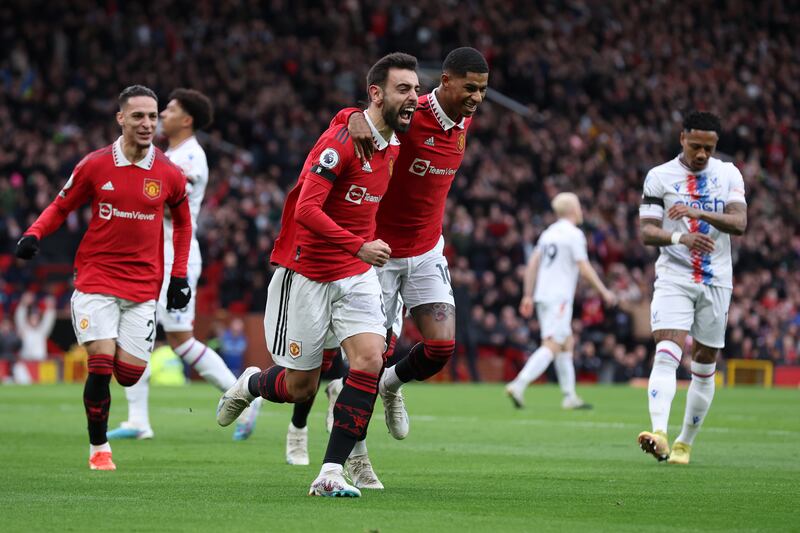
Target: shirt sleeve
310 215
578 247
342 118
736 191
181 224
652 205
76 192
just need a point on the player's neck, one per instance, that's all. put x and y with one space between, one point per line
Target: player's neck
133 152
179 138
376 117
449 110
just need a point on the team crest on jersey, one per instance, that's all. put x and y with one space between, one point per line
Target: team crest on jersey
152 188
295 348
329 158
84 324
462 141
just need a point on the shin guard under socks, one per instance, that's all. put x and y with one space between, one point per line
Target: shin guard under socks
270 384
97 396
351 414
425 360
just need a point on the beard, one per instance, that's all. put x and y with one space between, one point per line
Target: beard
392 118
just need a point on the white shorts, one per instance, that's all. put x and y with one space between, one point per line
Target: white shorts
700 309
300 312
178 319
555 320
415 281
101 316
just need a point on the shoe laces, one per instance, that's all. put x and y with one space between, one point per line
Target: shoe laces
361 468
395 404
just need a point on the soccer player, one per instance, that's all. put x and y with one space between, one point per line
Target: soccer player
410 222
119 264
550 280
188 111
325 253
704 202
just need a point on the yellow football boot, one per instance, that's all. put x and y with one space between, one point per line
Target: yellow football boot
655 443
680 453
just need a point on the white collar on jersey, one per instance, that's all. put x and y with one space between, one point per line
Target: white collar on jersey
121 161
444 121
380 142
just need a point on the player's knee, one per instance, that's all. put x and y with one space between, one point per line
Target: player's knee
704 354
302 388
101 364
127 374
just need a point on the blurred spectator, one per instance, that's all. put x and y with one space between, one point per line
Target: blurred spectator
34 327
233 344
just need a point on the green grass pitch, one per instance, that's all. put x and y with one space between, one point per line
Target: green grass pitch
470 463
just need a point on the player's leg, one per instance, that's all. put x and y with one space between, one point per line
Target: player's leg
708 332
137 426
565 372
672 314
95 319
358 320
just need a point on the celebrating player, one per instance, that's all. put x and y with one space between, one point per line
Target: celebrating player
325 280
188 110
119 267
410 221
553 270
704 202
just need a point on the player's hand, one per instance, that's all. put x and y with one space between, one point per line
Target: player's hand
679 211
526 307
178 293
27 247
698 241
361 134
374 253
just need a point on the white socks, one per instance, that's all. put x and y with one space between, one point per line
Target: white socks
536 365
105 447
565 371
360 448
390 381
663 382
698 400
137 395
207 363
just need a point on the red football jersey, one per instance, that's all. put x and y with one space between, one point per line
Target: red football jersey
330 212
411 213
121 253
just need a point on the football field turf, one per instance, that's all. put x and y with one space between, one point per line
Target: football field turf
470 463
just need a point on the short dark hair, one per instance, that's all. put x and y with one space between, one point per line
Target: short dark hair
379 72
702 120
133 91
196 105
463 60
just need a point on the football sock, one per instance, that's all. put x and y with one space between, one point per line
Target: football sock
128 374
351 414
97 396
565 371
207 363
698 400
301 410
360 448
137 395
270 384
536 365
663 382
425 360
390 348
93 449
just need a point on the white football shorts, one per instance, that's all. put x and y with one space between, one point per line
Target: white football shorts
415 281
555 320
178 319
700 309
102 316
300 312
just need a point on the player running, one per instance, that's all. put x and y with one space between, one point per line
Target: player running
119 267
188 111
325 281
553 269
704 202
410 221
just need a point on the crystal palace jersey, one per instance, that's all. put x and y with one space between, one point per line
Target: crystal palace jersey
410 216
121 253
330 212
712 189
190 157
562 245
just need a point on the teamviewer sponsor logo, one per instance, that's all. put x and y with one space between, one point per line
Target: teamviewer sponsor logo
419 166
106 211
358 195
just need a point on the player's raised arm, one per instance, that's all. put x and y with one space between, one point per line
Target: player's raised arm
74 193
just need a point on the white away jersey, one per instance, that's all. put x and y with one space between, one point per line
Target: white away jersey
712 189
562 245
191 158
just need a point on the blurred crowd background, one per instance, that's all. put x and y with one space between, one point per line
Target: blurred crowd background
604 87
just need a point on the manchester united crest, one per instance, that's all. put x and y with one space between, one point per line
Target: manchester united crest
295 348
152 188
84 323
391 166
462 141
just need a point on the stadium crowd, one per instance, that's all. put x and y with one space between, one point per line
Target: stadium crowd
604 86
